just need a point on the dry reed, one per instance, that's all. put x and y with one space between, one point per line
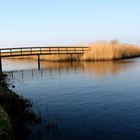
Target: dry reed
52 58
96 52
110 51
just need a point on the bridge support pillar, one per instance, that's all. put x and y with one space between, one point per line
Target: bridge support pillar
0 65
38 61
71 57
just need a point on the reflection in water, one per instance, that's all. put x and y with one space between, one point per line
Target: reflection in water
77 103
98 68
109 67
52 68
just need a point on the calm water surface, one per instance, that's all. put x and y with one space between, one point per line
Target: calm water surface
90 100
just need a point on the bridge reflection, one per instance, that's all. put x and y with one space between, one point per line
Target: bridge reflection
52 69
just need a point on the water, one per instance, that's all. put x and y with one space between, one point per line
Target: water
87 100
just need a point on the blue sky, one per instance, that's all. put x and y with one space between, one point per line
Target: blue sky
59 22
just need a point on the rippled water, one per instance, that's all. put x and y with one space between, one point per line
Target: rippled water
87 100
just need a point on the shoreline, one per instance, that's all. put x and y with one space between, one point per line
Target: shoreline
18 112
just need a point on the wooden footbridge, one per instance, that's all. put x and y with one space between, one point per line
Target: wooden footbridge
28 51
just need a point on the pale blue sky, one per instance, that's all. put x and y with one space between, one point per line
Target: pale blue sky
59 22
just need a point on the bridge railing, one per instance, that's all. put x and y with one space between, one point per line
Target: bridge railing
8 52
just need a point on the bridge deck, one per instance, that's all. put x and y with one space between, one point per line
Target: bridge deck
10 52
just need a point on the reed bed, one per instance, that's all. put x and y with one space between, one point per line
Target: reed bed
96 52
52 58
110 51
61 57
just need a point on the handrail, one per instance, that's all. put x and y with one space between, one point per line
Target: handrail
45 47
7 52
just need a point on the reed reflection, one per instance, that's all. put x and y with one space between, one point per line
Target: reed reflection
101 68
98 68
48 126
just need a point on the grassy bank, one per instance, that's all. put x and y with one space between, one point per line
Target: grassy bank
6 132
18 109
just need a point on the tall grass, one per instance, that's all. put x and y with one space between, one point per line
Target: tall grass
110 51
97 51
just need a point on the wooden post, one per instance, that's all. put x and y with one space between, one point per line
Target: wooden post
71 59
21 51
0 65
31 50
32 74
22 76
38 62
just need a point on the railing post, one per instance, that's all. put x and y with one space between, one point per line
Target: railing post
75 50
31 50
10 52
49 50
21 51
66 50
